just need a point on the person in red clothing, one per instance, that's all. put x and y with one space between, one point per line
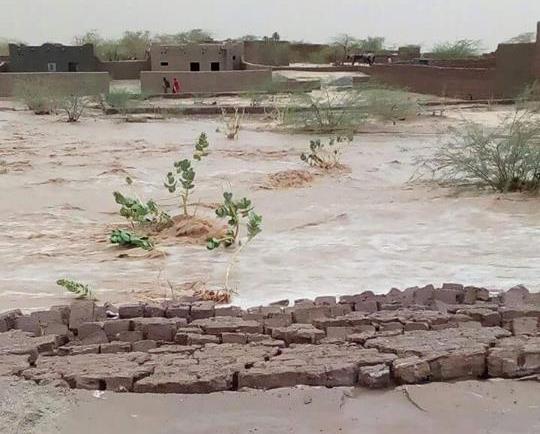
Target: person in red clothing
176 86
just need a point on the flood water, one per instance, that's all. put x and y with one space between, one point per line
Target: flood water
367 228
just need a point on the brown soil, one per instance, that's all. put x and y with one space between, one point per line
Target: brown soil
288 179
192 229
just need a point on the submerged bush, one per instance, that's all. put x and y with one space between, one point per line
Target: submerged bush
325 155
330 112
122 99
390 104
505 158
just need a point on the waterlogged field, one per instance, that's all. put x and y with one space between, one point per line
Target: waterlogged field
365 226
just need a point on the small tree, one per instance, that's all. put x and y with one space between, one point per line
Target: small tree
456 50
345 43
506 158
325 155
184 174
237 213
74 105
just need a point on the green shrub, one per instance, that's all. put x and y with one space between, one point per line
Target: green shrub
505 158
81 290
128 239
390 105
325 155
135 211
340 112
456 50
184 174
237 212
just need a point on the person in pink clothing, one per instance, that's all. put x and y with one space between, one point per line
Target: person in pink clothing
176 86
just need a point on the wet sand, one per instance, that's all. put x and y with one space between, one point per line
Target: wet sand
489 407
367 228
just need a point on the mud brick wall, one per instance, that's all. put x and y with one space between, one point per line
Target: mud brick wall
465 83
207 82
267 52
488 61
89 83
414 335
515 68
125 69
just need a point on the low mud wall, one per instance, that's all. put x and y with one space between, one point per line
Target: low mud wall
125 69
89 83
207 82
464 83
409 336
474 62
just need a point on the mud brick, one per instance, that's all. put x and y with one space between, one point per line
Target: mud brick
131 310
82 311
113 327
154 311
115 347
235 311
92 333
143 346
309 314
130 336
326 300
368 306
234 338
178 310
202 309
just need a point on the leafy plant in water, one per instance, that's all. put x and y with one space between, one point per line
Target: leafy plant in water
128 239
184 175
325 155
236 212
81 290
137 212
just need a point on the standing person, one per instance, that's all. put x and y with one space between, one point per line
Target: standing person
176 86
166 85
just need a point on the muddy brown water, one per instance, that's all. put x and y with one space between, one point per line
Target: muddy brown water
365 229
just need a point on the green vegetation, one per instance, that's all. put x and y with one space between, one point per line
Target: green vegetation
36 95
389 105
81 290
184 174
236 213
122 99
325 155
505 158
135 44
74 105
128 239
456 50
347 45
137 212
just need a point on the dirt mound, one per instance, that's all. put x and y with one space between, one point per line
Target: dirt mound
192 229
289 179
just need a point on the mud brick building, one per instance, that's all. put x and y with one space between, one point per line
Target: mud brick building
52 58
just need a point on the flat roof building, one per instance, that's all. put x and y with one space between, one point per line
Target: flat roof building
225 56
52 58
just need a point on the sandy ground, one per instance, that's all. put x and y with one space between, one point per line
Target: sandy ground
366 228
472 407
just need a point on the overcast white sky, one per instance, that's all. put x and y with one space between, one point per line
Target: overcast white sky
400 21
